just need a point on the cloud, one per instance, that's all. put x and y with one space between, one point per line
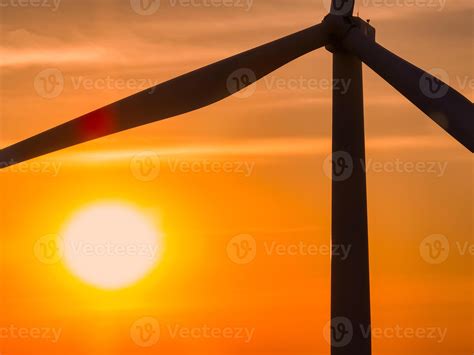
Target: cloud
276 147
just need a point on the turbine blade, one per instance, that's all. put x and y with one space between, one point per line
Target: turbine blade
185 93
444 105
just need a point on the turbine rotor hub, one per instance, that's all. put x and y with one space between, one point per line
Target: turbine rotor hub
338 27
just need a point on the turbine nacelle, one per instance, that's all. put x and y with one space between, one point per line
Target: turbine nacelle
338 27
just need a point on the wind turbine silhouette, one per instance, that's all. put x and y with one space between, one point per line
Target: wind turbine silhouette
351 41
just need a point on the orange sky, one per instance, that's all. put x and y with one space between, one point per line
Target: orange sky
275 141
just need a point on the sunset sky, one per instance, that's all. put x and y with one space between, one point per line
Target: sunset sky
251 165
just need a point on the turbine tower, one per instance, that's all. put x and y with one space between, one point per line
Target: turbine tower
350 285
351 42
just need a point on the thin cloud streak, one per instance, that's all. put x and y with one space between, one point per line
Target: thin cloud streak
11 57
264 147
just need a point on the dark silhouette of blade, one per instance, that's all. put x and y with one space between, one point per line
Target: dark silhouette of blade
185 93
447 107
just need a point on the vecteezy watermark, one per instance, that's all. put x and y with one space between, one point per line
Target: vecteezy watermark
245 5
303 83
302 248
436 248
242 249
435 168
437 5
338 7
50 83
339 166
145 7
39 333
340 331
207 166
53 5
242 83
109 248
342 7
51 248
150 7
110 83
204 331
435 83
146 166
43 167
436 334
147 331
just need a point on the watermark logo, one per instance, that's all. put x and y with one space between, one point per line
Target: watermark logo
49 83
205 331
145 332
338 166
338 7
435 83
435 168
273 82
109 248
302 248
344 7
48 249
434 249
145 7
242 249
145 166
437 5
436 334
150 7
338 332
48 4
242 83
110 83
37 333
36 167
207 166
242 4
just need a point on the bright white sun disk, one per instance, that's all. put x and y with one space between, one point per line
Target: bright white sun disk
111 245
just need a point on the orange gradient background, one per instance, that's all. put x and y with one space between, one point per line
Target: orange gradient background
282 131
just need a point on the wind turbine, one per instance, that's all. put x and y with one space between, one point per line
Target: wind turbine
351 41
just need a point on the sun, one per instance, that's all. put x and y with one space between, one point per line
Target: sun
111 245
